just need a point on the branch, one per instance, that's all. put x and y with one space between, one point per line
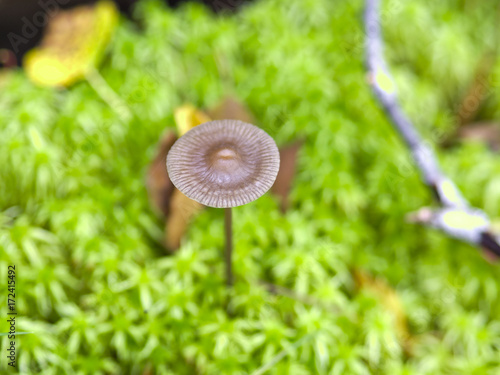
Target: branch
457 218
384 89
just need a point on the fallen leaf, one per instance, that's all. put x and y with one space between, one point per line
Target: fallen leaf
288 165
231 109
74 43
478 90
159 186
187 117
486 132
183 209
387 296
175 206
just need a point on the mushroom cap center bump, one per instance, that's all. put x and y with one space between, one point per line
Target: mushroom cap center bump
224 163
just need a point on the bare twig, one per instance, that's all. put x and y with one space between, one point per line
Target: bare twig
456 218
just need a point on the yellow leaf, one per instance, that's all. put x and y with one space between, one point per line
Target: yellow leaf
74 43
187 117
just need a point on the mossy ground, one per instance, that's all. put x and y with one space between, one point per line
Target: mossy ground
98 290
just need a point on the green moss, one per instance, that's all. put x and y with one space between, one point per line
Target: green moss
98 291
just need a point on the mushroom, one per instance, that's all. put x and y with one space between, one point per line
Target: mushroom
224 164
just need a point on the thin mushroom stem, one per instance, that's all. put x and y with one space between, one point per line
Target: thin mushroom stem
228 226
241 154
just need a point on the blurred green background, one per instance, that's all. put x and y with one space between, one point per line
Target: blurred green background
378 295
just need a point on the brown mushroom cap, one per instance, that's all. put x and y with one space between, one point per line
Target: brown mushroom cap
224 163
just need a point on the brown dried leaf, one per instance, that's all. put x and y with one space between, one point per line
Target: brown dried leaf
487 132
231 109
182 211
288 164
179 209
387 296
159 186
478 90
